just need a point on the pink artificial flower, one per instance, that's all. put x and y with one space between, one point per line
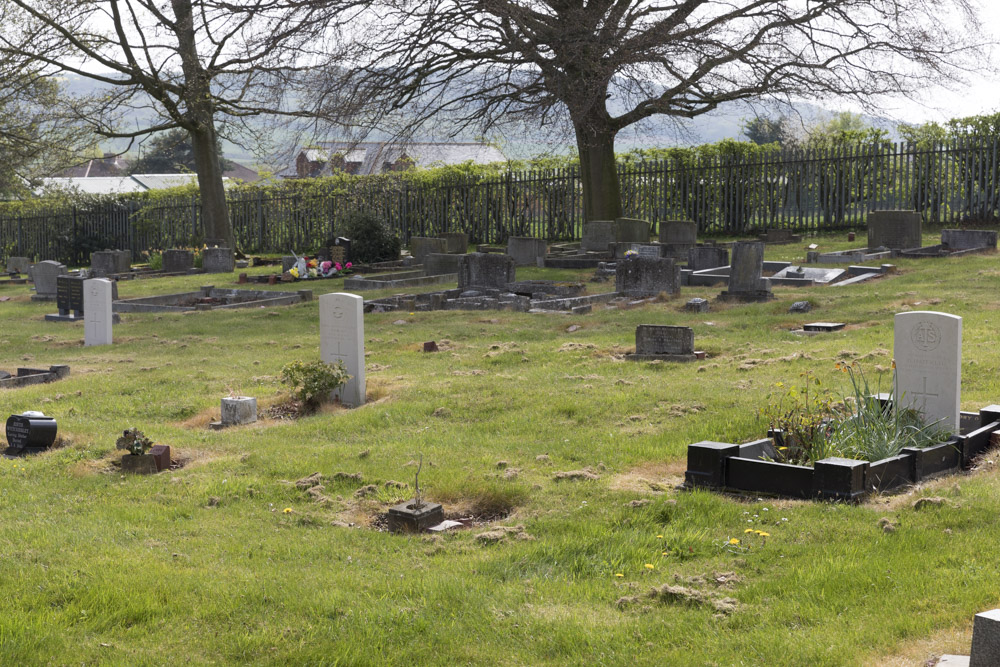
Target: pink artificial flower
337 266
325 266
348 265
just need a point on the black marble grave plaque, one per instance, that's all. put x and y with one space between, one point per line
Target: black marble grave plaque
69 294
29 434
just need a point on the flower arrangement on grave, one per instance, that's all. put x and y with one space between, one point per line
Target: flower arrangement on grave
312 382
811 425
306 268
134 442
631 253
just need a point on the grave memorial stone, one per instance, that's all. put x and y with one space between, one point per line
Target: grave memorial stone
526 250
897 230
485 270
97 314
966 239
177 261
646 277
69 299
745 281
678 237
707 257
631 230
985 639
342 338
29 433
437 264
660 342
44 275
457 243
421 246
598 235
18 265
928 353
105 263
218 260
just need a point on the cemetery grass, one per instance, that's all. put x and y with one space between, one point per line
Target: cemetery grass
225 561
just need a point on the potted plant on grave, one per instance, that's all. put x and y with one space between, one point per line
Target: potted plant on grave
136 460
312 383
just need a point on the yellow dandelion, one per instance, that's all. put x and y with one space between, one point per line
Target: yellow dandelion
287 510
619 574
664 553
650 566
659 537
763 534
734 541
749 530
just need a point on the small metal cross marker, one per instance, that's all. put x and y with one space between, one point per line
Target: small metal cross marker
924 393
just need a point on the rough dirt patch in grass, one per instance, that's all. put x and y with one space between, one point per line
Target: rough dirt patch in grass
654 477
674 594
955 641
502 533
576 475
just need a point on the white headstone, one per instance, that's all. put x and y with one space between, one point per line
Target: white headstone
928 353
342 338
96 312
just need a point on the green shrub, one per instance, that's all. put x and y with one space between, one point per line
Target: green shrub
371 239
156 261
312 382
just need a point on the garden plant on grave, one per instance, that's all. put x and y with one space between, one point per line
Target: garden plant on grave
136 459
313 382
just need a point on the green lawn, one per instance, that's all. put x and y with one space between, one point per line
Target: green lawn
204 564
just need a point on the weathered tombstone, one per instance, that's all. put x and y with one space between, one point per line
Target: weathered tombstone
29 433
966 239
421 246
44 275
288 262
342 338
123 261
745 281
653 341
18 264
897 230
928 354
177 261
218 260
985 639
526 250
697 305
436 264
489 270
778 236
631 230
646 276
103 263
681 232
598 235
707 257
97 313
340 250
236 410
457 243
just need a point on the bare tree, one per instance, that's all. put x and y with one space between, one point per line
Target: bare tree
606 64
192 64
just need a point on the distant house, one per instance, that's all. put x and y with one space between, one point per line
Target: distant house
371 157
109 165
109 185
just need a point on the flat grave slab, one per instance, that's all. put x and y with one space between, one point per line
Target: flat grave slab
30 376
210 298
824 326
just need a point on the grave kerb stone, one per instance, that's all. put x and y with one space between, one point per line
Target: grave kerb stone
928 354
342 338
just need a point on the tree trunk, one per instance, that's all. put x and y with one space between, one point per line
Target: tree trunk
214 211
602 195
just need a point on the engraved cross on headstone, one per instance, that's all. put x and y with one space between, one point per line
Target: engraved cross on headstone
923 394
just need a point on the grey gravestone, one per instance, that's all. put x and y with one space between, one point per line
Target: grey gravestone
818 275
421 246
526 250
631 230
966 239
745 281
492 270
898 230
436 264
97 315
598 235
177 261
707 257
669 343
800 307
928 354
650 251
288 262
457 243
778 236
342 338
646 277
103 263
986 640
45 275
18 264
123 260
679 232
238 410
218 260
697 306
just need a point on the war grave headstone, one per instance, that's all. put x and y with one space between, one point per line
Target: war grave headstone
421 246
598 235
218 260
44 275
707 257
897 230
177 261
745 276
928 353
647 276
97 314
29 433
654 342
486 270
456 243
526 250
342 338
